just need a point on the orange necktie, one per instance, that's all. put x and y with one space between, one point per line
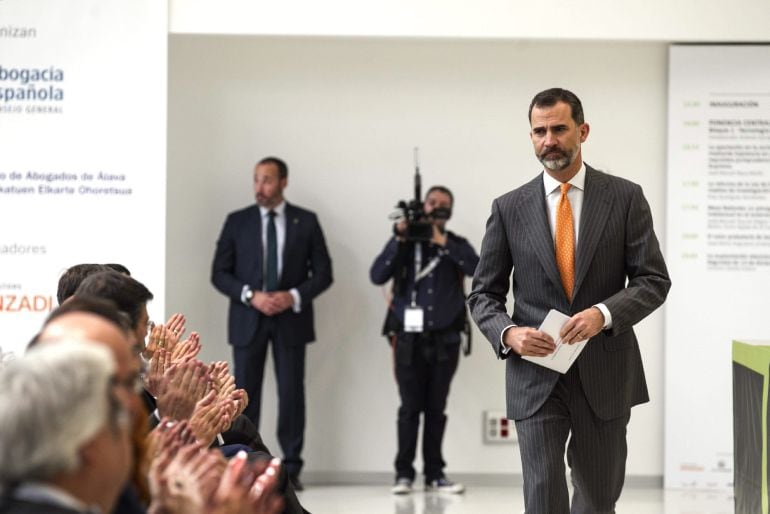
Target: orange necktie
565 242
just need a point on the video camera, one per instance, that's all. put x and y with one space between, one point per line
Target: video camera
419 227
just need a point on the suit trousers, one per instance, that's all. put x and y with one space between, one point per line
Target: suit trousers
289 363
596 453
424 369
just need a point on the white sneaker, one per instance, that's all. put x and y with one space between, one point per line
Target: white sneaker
444 485
403 486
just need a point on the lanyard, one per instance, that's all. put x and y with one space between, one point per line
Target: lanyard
419 274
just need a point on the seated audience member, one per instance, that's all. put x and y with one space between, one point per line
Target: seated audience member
128 294
182 390
71 279
95 320
66 450
74 275
66 447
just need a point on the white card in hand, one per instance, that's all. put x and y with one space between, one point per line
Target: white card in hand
565 354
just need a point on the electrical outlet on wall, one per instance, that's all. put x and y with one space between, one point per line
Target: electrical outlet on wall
498 428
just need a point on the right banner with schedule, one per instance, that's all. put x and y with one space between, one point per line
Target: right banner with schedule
718 248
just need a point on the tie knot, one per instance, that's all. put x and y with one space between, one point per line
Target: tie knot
565 187
272 213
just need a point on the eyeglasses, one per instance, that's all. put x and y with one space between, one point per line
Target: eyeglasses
133 383
119 416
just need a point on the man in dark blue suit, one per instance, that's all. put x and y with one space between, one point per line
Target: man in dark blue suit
271 261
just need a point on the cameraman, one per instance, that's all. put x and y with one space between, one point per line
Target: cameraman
426 316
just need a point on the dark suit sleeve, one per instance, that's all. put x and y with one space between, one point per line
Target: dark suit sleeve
223 267
243 431
320 265
648 280
491 282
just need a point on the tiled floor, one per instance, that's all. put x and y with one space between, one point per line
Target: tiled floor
496 500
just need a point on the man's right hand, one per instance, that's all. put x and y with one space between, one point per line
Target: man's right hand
271 303
529 342
400 229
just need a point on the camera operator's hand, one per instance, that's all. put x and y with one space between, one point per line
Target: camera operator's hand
400 229
439 236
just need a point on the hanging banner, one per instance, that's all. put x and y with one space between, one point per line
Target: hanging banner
82 149
718 248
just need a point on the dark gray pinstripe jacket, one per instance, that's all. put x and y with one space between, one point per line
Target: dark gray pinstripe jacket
618 263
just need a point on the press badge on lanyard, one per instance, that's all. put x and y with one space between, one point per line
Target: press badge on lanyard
414 315
413 319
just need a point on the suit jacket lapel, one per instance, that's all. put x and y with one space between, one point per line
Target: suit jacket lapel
534 213
292 224
597 203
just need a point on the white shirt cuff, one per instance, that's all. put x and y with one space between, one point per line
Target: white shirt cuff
297 307
607 316
505 349
243 294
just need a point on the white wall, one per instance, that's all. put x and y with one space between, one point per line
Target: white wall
345 114
629 20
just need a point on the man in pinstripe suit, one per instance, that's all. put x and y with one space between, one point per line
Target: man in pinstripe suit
616 277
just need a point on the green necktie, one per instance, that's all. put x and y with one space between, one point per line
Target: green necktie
271 271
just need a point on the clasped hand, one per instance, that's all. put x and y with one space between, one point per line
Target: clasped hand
273 302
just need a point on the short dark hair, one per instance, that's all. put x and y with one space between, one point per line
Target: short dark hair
442 189
71 279
128 294
551 97
283 170
119 268
102 307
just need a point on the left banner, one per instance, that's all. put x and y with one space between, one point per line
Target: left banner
82 149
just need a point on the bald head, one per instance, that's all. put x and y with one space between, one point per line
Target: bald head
86 326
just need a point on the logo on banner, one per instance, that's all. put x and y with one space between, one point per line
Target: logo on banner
31 90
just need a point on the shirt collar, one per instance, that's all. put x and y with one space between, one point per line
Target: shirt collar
47 493
578 181
279 209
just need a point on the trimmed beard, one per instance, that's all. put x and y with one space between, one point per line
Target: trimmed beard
560 163
556 164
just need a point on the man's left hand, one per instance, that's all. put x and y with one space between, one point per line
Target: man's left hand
583 325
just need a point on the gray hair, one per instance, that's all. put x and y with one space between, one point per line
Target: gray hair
5 358
54 399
